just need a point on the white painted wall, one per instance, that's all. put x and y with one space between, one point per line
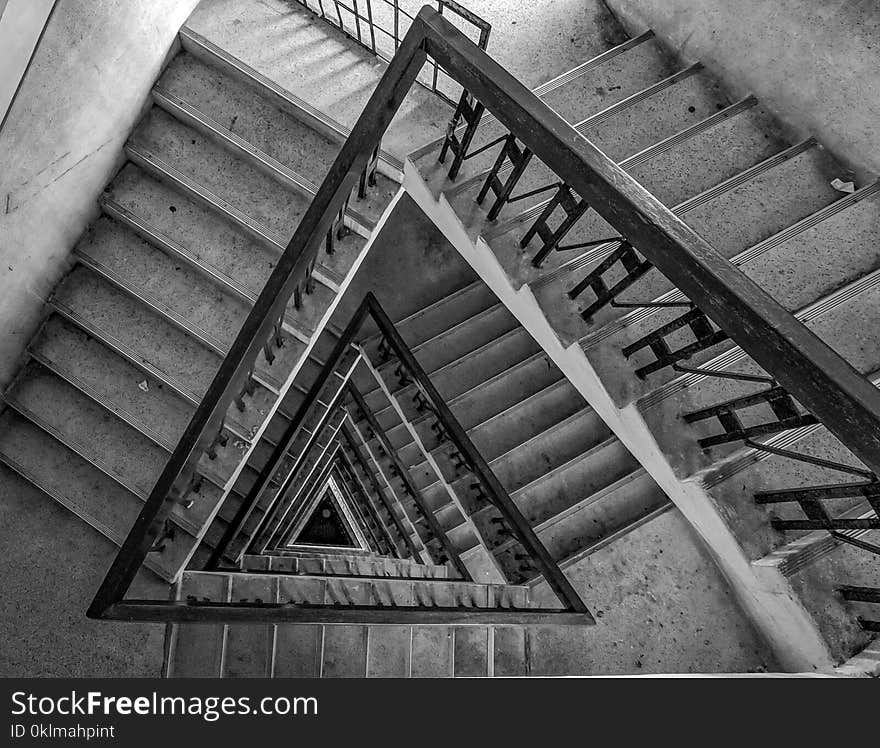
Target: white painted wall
21 22
63 140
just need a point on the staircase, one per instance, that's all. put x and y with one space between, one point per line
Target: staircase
218 173
660 373
582 376
572 478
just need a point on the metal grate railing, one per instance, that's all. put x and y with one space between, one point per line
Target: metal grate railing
380 25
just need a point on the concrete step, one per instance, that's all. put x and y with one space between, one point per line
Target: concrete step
341 590
641 73
207 240
160 141
455 342
621 130
332 73
835 277
246 119
569 267
601 518
598 86
148 340
436 318
477 367
261 650
192 303
774 200
235 180
582 476
197 650
98 436
79 486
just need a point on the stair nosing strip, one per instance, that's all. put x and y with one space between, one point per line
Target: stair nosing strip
194 117
163 242
77 511
91 393
598 253
747 255
189 36
735 354
79 449
173 318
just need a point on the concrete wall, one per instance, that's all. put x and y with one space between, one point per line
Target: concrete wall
21 22
814 63
63 141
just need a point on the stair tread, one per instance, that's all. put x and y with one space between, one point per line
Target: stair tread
198 306
171 354
83 489
263 124
101 438
224 174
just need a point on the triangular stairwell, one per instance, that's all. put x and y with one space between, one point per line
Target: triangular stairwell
544 458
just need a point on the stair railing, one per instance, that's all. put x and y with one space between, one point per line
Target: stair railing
397 525
822 381
487 489
380 25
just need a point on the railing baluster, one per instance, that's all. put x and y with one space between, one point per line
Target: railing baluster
519 158
573 208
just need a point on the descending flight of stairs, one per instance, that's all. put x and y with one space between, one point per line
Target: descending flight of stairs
217 175
765 203
570 476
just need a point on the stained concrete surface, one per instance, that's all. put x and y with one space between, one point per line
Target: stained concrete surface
661 606
63 140
410 266
814 64
52 565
